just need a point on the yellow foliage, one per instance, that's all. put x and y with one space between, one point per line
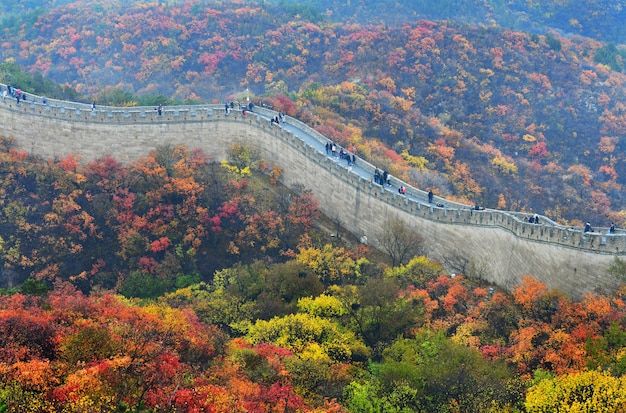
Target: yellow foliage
501 202
388 84
418 162
403 104
329 264
410 92
503 166
235 170
590 391
322 306
307 335
465 335
417 271
529 138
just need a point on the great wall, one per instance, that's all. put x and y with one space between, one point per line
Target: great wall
498 246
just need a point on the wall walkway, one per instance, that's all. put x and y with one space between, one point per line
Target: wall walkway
499 246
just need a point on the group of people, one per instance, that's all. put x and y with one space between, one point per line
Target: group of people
278 119
534 219
228 107
14 93
331 148
588 228
382 177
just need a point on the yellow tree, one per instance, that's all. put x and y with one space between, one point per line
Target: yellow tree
589 391
330 264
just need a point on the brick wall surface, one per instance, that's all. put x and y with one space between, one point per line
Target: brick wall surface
496 246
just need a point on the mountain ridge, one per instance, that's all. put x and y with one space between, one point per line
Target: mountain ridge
482 114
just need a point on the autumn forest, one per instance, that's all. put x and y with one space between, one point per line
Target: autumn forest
177 283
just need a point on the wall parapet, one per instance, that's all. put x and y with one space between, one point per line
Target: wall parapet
414 202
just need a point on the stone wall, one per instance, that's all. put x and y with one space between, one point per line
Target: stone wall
495 245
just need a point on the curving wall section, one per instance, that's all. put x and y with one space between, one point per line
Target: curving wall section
497 246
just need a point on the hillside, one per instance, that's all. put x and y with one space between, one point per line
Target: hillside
506 119
177 284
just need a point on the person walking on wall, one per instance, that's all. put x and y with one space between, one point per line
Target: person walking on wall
430 196
160 110
93 106
588 227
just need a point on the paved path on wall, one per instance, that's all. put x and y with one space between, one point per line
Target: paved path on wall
343 163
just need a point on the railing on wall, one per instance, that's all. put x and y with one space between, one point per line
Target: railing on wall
414 202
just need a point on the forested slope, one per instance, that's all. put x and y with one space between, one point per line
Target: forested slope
111 302
507 119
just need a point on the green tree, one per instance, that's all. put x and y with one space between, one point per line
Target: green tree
376 311
416 272
432 373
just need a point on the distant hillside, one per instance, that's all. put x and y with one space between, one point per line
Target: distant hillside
602 20
502 118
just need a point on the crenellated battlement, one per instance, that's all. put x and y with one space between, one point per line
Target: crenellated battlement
500 246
